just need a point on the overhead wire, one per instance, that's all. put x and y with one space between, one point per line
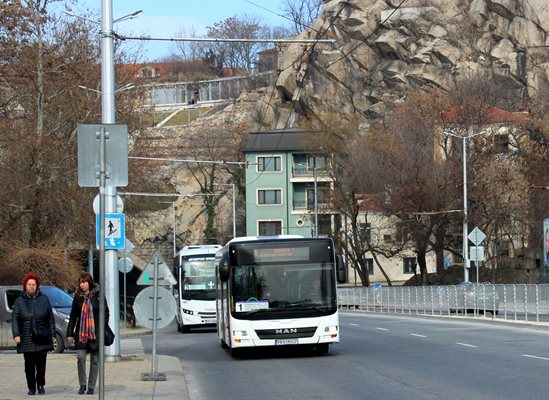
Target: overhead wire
281 15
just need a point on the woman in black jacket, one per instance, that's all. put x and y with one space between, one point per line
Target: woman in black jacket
82 330
32 312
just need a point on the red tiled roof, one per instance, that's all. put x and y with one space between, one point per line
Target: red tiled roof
492 115
369 202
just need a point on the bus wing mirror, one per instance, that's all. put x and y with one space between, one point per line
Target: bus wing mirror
341 270
224 269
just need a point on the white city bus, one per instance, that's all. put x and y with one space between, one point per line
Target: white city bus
194 269
278 291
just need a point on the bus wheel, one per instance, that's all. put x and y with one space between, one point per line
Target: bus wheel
178 327
235 353
322 348
185 329
223 344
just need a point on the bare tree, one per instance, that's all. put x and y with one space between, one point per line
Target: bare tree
237 55
189 50
302 13
45 62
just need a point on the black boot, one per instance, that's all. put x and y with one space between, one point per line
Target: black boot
41 389
82 389
90 391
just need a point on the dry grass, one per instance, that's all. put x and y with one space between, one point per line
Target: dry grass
56 265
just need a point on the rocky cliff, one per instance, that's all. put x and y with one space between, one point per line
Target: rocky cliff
384 47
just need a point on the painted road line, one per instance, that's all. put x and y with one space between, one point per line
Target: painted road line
537 357
354 324
382 329
466 345
415 334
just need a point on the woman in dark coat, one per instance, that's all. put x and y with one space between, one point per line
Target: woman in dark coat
82 330
33 310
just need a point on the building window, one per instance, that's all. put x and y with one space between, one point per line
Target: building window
501 143
324 225
269 164
271 196
403 232
409 264
370 265
365 230
323 196
269 228
387 237
320 162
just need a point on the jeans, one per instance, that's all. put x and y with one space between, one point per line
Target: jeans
35 368
94 367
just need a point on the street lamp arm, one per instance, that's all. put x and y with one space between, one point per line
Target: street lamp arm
449 133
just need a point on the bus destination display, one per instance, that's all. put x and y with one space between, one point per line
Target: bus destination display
276 254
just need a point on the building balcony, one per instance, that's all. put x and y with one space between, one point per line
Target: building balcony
304 205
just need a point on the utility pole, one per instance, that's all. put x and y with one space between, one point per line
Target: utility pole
109 286
465 227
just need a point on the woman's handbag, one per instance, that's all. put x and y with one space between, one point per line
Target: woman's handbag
40 334
109 335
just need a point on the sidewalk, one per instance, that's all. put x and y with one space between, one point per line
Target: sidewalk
122 379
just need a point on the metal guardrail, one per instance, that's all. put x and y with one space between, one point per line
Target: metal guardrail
516 302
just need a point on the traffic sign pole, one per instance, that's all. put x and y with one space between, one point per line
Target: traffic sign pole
477 236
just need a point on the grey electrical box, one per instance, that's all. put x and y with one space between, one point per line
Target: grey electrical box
116 154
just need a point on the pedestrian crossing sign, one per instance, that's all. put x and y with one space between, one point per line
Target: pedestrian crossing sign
115 234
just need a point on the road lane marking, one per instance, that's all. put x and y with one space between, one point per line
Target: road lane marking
537 357
353 324
466 345
382 329
415 334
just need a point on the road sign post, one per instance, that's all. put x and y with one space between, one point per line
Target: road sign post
477 236
167 310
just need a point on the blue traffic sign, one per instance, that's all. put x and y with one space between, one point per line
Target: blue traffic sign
115 234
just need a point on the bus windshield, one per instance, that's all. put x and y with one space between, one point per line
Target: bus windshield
199 279
268 290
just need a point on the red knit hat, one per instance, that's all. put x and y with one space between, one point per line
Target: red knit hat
31 275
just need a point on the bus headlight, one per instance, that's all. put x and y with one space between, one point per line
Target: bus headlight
189 312
240 333
331 330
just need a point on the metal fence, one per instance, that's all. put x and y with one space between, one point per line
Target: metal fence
518 302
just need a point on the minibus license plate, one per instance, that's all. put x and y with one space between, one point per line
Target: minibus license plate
286 341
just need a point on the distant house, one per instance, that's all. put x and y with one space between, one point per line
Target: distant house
499 133
286 173
387 232
267 60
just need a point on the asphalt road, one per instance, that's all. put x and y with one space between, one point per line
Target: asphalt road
379 357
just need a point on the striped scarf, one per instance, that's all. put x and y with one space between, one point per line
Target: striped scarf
87 323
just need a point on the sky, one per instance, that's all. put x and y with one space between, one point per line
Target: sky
164 18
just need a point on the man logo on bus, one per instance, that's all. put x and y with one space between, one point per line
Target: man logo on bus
285 331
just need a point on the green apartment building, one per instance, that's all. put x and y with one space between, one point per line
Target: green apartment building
286 172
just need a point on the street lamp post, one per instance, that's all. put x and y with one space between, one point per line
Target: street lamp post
465 227
316 198
234 204
315 194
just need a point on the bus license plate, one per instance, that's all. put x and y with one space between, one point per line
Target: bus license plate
286 341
